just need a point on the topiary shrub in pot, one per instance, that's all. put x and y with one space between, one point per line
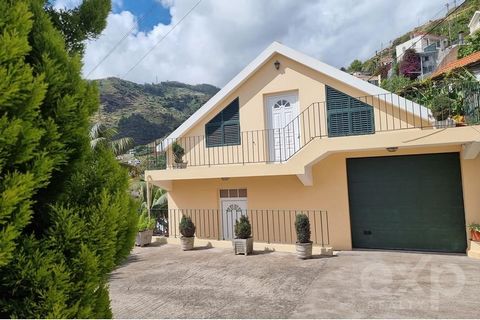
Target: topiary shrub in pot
474 231
243 242
187 230
145 227
303 245
178 153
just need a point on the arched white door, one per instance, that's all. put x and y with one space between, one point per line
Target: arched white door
283 127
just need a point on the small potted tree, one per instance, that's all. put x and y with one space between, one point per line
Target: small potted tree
145 226
178 153
243 242
187 230
303 245
474 231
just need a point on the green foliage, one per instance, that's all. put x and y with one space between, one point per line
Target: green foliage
355 66
369 66
178 152
472 45
186 227
474 227
66 219
395 84
146 112
81 23
145 222
302 226
101 135
243 229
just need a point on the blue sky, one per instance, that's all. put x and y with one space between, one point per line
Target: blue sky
152 11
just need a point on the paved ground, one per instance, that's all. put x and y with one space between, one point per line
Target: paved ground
164 282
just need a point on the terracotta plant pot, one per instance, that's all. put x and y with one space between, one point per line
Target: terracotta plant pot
304 250
187 243
144 238
244 246
475 235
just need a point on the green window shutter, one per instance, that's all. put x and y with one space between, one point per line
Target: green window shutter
347 115
224 128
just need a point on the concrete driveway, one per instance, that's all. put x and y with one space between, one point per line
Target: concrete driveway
164 282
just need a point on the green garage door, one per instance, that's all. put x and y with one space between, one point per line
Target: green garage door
407 202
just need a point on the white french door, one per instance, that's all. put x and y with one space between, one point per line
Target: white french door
283 126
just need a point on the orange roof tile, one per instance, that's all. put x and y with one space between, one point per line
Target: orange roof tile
463 62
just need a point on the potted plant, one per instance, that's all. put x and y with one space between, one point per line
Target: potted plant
145 226
303 245
243 242
187 230
178 153
474 231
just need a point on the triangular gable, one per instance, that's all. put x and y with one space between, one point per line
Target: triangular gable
278 48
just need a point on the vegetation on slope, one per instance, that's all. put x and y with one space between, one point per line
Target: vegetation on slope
149 111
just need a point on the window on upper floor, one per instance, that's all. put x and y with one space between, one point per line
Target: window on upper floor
224 128
348 116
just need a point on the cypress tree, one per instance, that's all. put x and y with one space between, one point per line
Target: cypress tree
66 219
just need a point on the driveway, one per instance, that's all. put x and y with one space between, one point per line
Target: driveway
165 282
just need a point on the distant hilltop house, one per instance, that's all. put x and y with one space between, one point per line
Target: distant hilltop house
376 80
474 24
470 62
431 48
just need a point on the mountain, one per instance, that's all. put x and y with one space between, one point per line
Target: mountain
146 112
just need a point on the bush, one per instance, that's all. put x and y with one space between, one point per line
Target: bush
178 152
243 229
187 228
145 222
302 226
474 227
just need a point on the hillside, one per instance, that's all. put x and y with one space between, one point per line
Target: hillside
450 27
146 112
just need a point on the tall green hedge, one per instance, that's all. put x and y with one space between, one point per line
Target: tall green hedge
66 219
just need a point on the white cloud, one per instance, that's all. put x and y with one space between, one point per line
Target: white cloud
66 4
220 37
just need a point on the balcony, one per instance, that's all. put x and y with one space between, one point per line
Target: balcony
360 116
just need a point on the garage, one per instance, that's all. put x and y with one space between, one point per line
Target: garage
410 202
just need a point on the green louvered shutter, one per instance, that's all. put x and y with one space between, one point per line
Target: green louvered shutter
224 128
347 115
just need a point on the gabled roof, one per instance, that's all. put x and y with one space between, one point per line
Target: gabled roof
278 48
460 63
475 16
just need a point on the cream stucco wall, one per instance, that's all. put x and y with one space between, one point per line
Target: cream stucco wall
329 191
390 113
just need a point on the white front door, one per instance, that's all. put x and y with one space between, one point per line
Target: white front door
232 210
283 126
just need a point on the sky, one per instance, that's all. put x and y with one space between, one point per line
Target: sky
220 37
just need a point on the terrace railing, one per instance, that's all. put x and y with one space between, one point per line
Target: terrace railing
354 116
268 225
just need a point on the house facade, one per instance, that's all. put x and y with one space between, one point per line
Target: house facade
291 134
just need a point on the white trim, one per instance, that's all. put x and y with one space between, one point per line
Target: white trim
278 48
475 15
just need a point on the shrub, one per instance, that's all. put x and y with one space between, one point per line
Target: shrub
302 226
186 226
474 227
243 229
178 152
145 222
